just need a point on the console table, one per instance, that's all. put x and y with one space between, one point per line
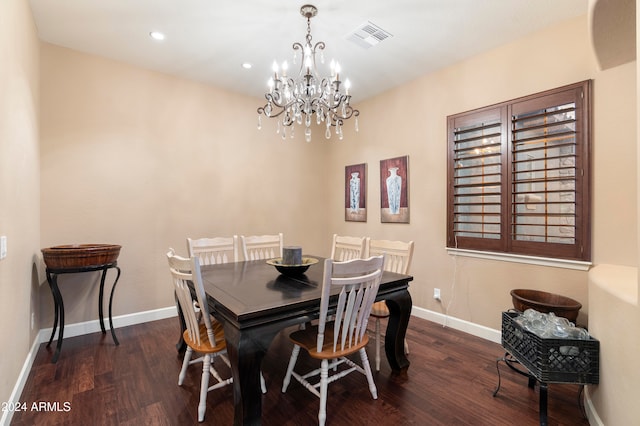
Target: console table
52 279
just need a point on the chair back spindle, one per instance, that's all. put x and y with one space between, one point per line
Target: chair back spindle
358 281
397 254
347 248
259 247
213 251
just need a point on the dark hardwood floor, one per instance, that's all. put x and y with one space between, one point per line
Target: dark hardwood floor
450 382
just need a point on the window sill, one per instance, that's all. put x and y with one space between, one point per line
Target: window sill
517 258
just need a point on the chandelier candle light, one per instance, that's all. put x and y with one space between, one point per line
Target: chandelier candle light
298 100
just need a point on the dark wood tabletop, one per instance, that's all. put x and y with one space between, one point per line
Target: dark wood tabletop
255 302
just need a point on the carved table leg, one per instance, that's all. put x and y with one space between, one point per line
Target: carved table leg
399 305
246 349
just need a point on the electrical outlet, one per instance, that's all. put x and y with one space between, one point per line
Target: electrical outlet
436 293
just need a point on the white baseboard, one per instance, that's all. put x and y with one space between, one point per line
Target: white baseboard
458 324
22 379
590 410
87 327
78 329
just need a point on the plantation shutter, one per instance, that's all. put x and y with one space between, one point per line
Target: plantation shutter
547 174
477 179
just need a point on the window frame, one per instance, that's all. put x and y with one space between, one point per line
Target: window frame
580 249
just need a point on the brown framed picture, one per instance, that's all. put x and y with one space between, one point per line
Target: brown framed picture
355 193
394 190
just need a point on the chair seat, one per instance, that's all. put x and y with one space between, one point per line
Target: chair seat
380 310
205 346
307 339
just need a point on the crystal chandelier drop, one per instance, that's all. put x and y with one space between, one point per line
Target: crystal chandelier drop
308 97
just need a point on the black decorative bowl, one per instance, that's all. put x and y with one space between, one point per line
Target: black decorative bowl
292 270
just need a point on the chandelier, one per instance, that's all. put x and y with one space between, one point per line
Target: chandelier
308 97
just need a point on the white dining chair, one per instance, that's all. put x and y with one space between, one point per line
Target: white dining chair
347 248
333 342
257 247
397 258
213 251
203 335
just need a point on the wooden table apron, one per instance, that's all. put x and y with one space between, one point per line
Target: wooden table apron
255 302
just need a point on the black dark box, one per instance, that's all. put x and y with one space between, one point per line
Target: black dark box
552 360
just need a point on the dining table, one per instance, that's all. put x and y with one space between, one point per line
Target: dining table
254 302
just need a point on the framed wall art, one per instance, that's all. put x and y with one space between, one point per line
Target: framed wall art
355 193
394 190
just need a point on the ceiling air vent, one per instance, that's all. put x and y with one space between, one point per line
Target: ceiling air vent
368 35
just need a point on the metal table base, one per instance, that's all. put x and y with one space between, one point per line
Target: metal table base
511 362
52 279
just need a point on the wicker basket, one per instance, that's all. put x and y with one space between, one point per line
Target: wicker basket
552 360
80 255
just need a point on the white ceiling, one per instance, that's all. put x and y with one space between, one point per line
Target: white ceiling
208 40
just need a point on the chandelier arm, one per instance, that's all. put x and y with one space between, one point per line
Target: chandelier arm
349 112
286 109
287 120
338 117
278 95
298 46
301 69
314 66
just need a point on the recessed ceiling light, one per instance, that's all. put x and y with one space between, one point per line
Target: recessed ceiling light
247 65
157 35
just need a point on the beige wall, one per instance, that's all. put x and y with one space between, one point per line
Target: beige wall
411 120
144 160
613 293
615 188
19 187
